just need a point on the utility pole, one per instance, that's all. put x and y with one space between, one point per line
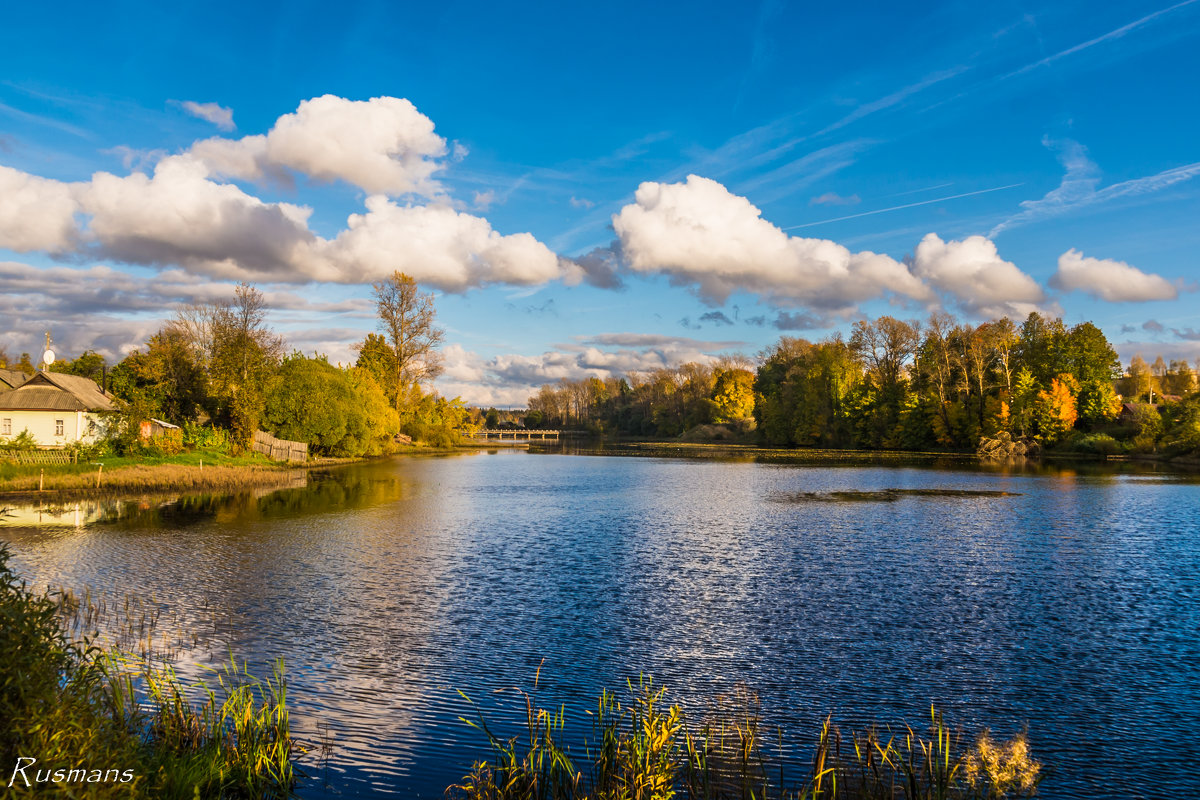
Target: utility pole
47 354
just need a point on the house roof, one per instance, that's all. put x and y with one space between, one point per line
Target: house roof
54 391
11 379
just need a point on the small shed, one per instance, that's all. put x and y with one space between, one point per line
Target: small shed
154 428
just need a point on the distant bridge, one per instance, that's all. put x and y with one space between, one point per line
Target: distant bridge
520 433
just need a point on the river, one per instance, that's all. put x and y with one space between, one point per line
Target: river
1062 599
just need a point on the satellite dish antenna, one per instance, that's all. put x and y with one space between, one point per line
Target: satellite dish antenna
48 357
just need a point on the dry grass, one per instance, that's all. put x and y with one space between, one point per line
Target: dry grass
136 478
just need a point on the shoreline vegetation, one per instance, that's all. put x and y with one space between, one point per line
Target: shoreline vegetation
644 748
97 716
997 389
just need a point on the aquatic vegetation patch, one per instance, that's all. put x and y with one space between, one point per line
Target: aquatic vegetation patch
882 495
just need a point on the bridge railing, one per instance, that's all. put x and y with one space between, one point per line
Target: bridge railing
523 433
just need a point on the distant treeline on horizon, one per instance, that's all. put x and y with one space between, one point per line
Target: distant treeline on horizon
897 384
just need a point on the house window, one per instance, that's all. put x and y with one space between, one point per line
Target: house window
58 427
6 427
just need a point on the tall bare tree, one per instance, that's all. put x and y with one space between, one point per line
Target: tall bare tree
406 319
232 343
885 346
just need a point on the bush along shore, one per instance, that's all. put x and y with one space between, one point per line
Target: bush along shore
644 748
89 719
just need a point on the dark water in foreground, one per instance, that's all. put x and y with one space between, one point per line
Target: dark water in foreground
1069 602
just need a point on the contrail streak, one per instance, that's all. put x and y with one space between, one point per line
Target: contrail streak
906 205
1114 34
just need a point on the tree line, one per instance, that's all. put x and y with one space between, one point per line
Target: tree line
220 363
942 384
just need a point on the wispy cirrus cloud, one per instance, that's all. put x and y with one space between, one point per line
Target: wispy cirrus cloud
895 98
835 199
1080 187
905 205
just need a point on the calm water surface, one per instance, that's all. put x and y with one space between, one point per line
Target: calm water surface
1064 601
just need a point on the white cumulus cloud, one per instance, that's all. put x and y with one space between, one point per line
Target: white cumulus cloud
973 272
36 213
438 246
383 145
1107 279
701 234
179 216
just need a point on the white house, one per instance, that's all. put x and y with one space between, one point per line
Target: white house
56 409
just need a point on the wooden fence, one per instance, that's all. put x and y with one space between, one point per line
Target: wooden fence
37 456
279 449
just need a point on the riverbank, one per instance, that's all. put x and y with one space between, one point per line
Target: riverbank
200 470
204 470
675 448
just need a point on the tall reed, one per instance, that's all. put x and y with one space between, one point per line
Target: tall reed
646 749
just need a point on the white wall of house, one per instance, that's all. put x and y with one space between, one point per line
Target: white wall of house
52 428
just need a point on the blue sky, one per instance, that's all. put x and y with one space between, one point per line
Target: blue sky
593 190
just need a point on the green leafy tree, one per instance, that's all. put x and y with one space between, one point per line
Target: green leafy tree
1140 380
313 401
88 365
168 372
1090 356
1098 402
1025 392
1042 347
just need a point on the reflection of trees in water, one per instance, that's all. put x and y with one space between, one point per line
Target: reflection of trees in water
322 492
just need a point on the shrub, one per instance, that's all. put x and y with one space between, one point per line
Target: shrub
22 441
1097 443
205 437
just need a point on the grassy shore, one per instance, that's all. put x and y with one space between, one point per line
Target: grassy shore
199 470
